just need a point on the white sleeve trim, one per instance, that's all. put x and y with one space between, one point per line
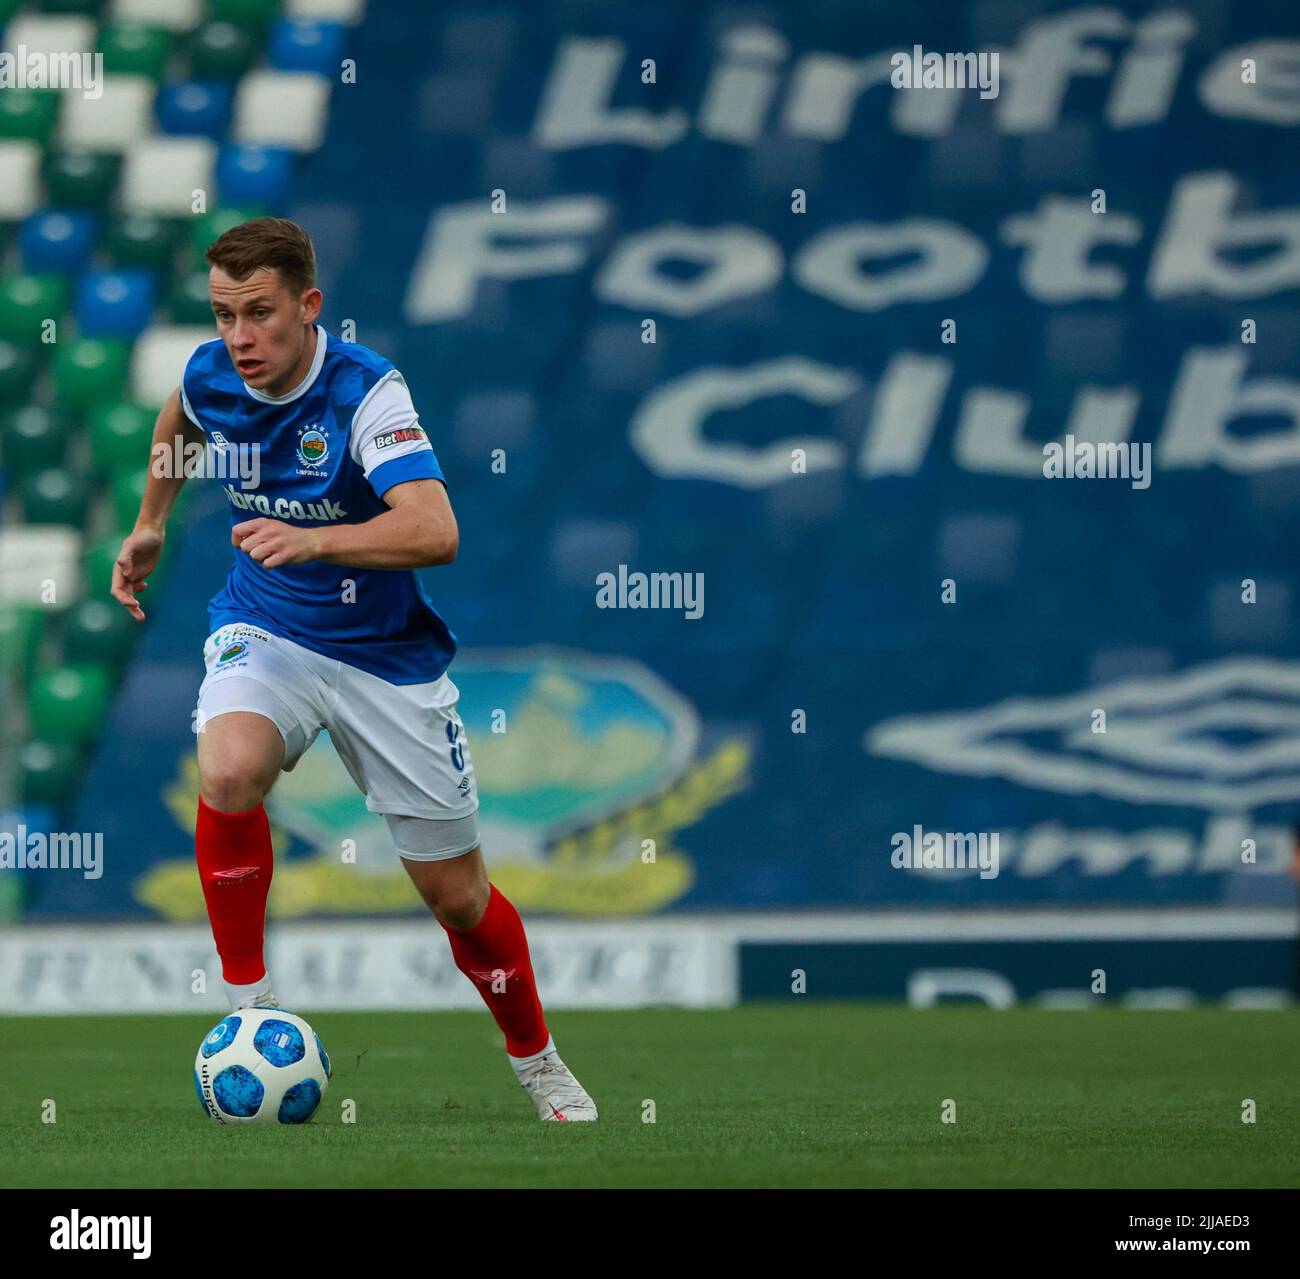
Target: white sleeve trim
189 412
386 411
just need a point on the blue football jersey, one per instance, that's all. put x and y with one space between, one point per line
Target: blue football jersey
327 451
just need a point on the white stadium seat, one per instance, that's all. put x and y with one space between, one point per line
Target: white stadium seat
282 109
159 360
20 180
46 34
32 553
160 175
112 122
175 15
349 11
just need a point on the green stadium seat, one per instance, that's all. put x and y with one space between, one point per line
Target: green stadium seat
20 634
68 705
142 239
28 113
128 493
32 437
120 435
17 370
26 302
245 13
97 630
48 772
83 8
97 566
55 495
135 48
189 302
221 51
211 225
90 371
81 178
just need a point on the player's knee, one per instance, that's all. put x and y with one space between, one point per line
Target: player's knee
233 788
458 898
461 905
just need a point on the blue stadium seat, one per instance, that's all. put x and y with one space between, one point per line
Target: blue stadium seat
503 417
253 175
115 303
59 241
981 547
581 548
193 107
307 46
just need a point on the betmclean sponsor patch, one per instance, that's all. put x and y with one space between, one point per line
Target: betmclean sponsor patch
406 434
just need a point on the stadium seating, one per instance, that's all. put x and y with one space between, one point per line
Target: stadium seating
103 291
825 587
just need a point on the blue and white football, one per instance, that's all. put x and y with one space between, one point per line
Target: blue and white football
261 1066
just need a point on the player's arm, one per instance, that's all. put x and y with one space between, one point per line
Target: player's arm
143 546
418 531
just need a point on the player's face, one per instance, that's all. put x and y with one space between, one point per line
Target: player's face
265 327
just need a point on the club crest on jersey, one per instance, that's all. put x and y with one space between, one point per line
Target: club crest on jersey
313 447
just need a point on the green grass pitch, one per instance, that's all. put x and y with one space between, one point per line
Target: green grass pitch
795 1094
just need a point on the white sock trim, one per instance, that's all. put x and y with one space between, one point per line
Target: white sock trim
239 994
520 1062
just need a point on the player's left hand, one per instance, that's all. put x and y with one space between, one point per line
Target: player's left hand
273 543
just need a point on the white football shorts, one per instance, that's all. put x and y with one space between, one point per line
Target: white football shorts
403 744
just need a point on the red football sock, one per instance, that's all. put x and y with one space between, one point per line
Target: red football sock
234 855
494 956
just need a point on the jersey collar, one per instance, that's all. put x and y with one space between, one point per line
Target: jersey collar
317 360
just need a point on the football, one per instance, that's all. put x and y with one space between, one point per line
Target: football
261 1066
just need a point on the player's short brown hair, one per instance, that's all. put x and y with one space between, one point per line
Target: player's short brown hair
269 242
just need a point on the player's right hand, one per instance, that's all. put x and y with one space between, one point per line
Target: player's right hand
135 561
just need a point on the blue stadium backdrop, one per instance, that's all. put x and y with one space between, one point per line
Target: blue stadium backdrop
672 286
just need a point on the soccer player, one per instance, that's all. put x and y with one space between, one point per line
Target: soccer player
323 624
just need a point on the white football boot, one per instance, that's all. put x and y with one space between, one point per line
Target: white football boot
556 1095
266 999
